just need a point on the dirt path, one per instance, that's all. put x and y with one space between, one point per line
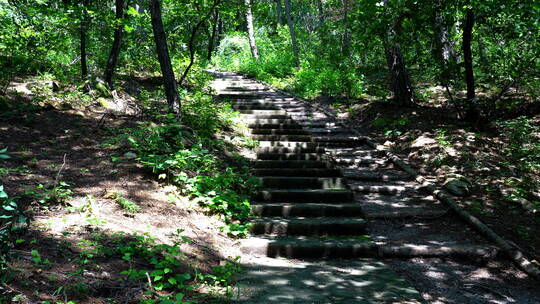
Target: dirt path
306 211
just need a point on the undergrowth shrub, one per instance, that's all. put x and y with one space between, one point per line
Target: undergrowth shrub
276 65
189 156
523 152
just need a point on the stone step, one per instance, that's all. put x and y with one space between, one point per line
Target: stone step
263 164
303 182
307 210
255 117
308 226
246 89
267 103
315 143
360 151
263 112
349 247
244 95
305 195
274 126
282 150
274 121
383 189
254 106
291 156
386 175
330 130
299 138
279 132
357 162
307 172
302 247
308 123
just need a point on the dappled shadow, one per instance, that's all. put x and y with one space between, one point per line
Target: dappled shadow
50 146
358 281
85 266
451 282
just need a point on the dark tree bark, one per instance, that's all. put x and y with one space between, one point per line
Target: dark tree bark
399 75
117 43
467 54
346 39
173 100
82 35
279 12
293 34
321 13
251 30
472 114
212 40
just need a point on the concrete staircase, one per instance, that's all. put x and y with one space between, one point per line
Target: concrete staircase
321 184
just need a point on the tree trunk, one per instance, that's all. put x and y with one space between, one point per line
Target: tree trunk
399 76
212 42
472 113
279 12
444 51
251 30
293 35
346 39
117 42
82 35
321 13
160 39
467 54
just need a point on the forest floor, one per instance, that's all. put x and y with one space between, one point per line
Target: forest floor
77 186
60 257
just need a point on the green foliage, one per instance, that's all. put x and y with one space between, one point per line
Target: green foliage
12 220
127 205
58 193
187 156
318 76
523 151
392 127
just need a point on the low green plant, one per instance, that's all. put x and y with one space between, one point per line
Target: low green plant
187 156
12 220
523 152
58 193
129 206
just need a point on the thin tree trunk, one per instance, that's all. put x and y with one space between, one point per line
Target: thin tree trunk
279 12
221 32
346 40
321 13
212 42
293 35
160 39
117 43
82 35
191 43
467 54
251 30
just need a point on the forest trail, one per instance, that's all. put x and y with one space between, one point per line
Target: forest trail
326 195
